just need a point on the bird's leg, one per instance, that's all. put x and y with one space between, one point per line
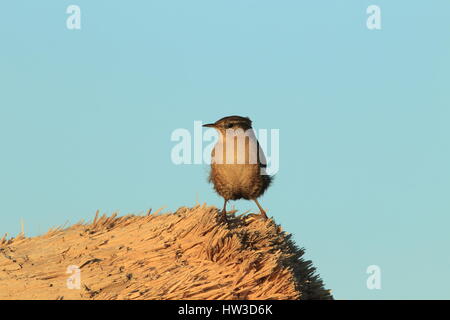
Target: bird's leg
261 210
223 215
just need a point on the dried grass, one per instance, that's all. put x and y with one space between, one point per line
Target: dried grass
182 255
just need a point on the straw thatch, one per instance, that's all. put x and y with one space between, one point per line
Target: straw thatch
183 255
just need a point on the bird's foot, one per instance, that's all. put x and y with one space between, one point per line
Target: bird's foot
263 215
258 216
223 217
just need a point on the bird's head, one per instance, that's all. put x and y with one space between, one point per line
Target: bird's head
231 123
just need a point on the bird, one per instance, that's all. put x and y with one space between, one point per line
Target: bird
238 163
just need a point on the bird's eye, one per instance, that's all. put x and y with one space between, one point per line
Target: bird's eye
230 125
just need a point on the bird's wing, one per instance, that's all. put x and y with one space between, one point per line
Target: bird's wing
255 150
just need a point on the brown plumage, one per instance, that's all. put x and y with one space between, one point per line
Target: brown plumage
238 163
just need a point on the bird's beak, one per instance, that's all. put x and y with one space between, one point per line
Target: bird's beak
210 125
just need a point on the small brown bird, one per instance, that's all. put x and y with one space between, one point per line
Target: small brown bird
238 162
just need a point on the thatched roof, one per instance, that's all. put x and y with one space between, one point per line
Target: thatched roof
183 255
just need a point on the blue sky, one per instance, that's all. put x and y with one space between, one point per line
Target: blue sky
86 118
